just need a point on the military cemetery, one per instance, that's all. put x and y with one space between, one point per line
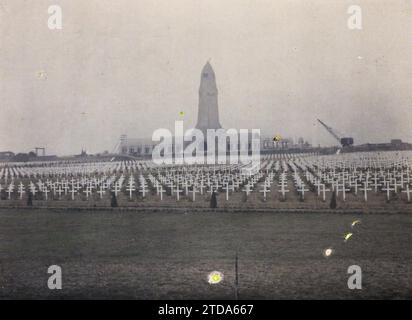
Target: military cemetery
370 181
192 150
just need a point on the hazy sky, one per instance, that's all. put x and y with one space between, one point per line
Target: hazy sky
124 66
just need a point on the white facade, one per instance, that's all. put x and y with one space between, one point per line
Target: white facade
136 147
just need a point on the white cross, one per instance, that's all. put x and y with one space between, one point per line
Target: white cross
324 192
59 191
227 188
87 191
318 184
283 190
130 188
264 191
157 185
388 190
376 184
247 189
143 190
365 190
45 191
186 185
116 189
408 192
66 188
343 190
395 185
194 193
10 190
73 191
302 190
101 191
54 186
178 191
21 190
161 191
201 186
171 186
356 185
402 180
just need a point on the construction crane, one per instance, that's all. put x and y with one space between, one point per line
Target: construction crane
344 141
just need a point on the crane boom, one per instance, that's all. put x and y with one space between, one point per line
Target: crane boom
330 130
344 141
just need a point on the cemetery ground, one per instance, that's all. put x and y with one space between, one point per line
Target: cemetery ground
169 254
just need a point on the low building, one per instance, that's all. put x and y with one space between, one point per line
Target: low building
6 155
136 147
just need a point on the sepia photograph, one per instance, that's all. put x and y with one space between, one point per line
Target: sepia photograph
215 150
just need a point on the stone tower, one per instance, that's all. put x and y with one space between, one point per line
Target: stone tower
208 114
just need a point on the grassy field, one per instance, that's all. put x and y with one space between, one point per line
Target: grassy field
164 255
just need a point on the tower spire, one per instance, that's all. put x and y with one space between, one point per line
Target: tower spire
208 113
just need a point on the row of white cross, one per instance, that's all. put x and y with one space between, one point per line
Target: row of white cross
387 173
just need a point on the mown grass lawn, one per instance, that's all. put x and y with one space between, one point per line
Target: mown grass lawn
165 255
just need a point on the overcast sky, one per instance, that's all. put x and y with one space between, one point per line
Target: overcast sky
131 66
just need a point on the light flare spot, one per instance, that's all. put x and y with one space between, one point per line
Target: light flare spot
354 223
347 236
215 277
328 252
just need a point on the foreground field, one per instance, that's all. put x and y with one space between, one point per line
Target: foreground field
165 255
